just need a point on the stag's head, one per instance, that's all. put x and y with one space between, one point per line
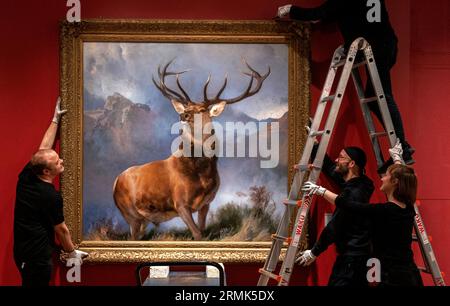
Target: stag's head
209 107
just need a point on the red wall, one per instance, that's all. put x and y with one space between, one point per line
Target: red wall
430 118
29 82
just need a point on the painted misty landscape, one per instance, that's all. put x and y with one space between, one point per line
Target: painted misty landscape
127 122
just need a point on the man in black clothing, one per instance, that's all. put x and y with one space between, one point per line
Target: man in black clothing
38 213
348 231
351 17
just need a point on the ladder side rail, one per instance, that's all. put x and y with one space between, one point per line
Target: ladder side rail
426 267
315 125
275 250
430 258
297 233
331 120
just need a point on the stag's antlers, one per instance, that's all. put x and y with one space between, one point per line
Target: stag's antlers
247 93
166 91
184 97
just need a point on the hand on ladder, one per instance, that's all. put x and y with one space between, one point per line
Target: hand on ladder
396 153
305 258
311 189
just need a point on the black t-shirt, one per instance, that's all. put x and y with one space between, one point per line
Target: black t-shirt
351 16
39 207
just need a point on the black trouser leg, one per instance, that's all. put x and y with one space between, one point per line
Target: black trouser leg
398 275
349 271
385 60
392 106
35 275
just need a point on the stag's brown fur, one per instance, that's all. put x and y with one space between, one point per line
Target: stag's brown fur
181 186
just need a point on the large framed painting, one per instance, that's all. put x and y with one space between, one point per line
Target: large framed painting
180 136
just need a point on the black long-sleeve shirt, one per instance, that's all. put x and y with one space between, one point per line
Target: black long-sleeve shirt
391 228
349 231
351 17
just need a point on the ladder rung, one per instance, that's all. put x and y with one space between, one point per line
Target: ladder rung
340 63
275 236
425 270
415 238
316 133
301 167
359 64
344 61
307 167
316 167
329 98
368 100
292 202
378 134
270 274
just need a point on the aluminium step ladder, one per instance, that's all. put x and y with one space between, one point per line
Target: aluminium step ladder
350 63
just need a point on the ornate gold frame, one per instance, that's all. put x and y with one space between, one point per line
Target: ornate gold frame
295 35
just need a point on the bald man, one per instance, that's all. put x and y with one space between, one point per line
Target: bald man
38 213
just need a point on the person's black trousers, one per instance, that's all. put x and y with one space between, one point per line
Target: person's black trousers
393 275
349 271
385 59
35 274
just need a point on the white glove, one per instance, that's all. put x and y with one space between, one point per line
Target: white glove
310 188
306 258
396 152
77 254
308 130
284 10
58 112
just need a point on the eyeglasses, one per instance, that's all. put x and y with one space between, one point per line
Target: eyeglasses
344 158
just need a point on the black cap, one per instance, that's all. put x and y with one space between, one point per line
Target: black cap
358 155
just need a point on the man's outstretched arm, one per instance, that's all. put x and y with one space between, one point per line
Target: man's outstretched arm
326 11
50 135
64 237
310 189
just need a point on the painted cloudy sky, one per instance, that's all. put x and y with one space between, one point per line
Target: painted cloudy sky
127 69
